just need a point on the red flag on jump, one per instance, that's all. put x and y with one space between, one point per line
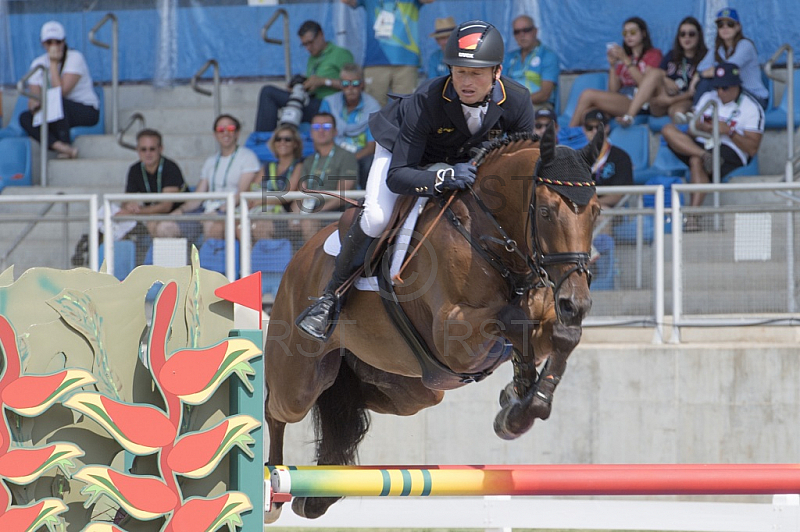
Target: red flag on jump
246 291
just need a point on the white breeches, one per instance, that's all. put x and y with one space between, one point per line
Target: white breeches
379 200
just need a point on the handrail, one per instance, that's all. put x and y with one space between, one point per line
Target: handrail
45 128
114 64
287 53
789 81
25 232
132 120
201 90
715 176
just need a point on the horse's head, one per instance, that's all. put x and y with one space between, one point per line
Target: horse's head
563 213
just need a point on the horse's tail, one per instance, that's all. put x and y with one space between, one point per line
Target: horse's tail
340 419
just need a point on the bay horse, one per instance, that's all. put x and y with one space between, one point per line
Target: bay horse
504 277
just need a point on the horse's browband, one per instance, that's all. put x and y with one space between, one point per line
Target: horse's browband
548 181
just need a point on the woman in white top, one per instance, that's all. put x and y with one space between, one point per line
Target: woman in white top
231 169
68 71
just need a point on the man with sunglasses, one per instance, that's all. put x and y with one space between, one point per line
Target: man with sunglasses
741 127
533 64
613 166
352 107
323 68
439 123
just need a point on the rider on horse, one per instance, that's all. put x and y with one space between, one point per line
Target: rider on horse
440 122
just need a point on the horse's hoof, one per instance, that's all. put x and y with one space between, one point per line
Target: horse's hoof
312 507
513 421
507 395
540 409
273 514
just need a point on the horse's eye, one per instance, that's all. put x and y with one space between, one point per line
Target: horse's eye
544 212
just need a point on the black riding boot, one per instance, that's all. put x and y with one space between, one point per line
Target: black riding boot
317 319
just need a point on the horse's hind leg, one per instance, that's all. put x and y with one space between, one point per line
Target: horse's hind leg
340 423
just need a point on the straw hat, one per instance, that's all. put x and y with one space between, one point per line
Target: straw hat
442 27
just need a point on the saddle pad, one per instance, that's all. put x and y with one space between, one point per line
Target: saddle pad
332 247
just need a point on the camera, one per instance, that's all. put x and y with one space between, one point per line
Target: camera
292 112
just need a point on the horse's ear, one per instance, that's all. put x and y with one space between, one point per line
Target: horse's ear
592 150
547 145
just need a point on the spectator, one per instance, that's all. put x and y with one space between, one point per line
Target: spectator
352 109
731 46
232 169
542 119
322 78
392 46
69 74
442 28
329 168
628 65
666 89
741 126
613 166
286 145
533 64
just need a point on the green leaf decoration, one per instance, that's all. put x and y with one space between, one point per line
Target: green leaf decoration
194 302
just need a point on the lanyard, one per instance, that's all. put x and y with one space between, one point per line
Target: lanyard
324 166
158 178
216 164
272 184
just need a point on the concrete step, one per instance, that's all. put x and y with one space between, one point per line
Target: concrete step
175 146
183 120
110 172
232 93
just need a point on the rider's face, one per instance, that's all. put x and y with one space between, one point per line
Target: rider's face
473 84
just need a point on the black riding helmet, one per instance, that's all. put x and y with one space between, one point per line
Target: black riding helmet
475 44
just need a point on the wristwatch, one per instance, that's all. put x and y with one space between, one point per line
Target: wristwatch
328 82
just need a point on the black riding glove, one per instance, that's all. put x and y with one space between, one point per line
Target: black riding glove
462 175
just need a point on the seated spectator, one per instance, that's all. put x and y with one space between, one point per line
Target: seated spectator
442 28
286 145
329 168
352 108
613 166
69 74
232 169
392 47
322 78
666 89
533 65
542 119
628 65
741 126
731 46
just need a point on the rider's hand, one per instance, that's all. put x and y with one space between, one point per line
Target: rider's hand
463 176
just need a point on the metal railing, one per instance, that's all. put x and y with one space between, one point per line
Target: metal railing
135 117
791 159
197 88
42 99
285 42
114 64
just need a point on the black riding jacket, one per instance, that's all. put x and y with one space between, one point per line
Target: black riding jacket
428 127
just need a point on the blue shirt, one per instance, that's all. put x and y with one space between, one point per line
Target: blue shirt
402 48
539 65
352 127
436 66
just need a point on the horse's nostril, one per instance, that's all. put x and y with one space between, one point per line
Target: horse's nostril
567 308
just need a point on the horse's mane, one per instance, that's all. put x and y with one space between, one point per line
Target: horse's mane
491 149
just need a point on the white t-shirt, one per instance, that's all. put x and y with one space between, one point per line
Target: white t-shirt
83 91
223 173
742 114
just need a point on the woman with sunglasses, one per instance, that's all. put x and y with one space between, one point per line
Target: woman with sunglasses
628 65
666 89
68 73
731 46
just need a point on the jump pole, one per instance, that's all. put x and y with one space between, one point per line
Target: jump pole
521 480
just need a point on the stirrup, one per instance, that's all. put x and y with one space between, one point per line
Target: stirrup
317 320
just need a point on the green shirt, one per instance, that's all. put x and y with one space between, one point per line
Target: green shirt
328 64
328 171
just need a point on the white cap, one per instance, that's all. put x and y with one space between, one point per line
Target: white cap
53 30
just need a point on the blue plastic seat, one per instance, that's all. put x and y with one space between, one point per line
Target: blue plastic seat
590 80
99 127
775 118
271 258
656 123
665 163
15 162
257 141
212 255
603 268
124 257
13 129
635 140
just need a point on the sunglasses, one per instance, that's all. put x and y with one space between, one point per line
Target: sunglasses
726 24
625 33
520 31
145 149
48 42
308 42
688 34
284 139
724 88
346 83
317 127
592 128
222 129
540 125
